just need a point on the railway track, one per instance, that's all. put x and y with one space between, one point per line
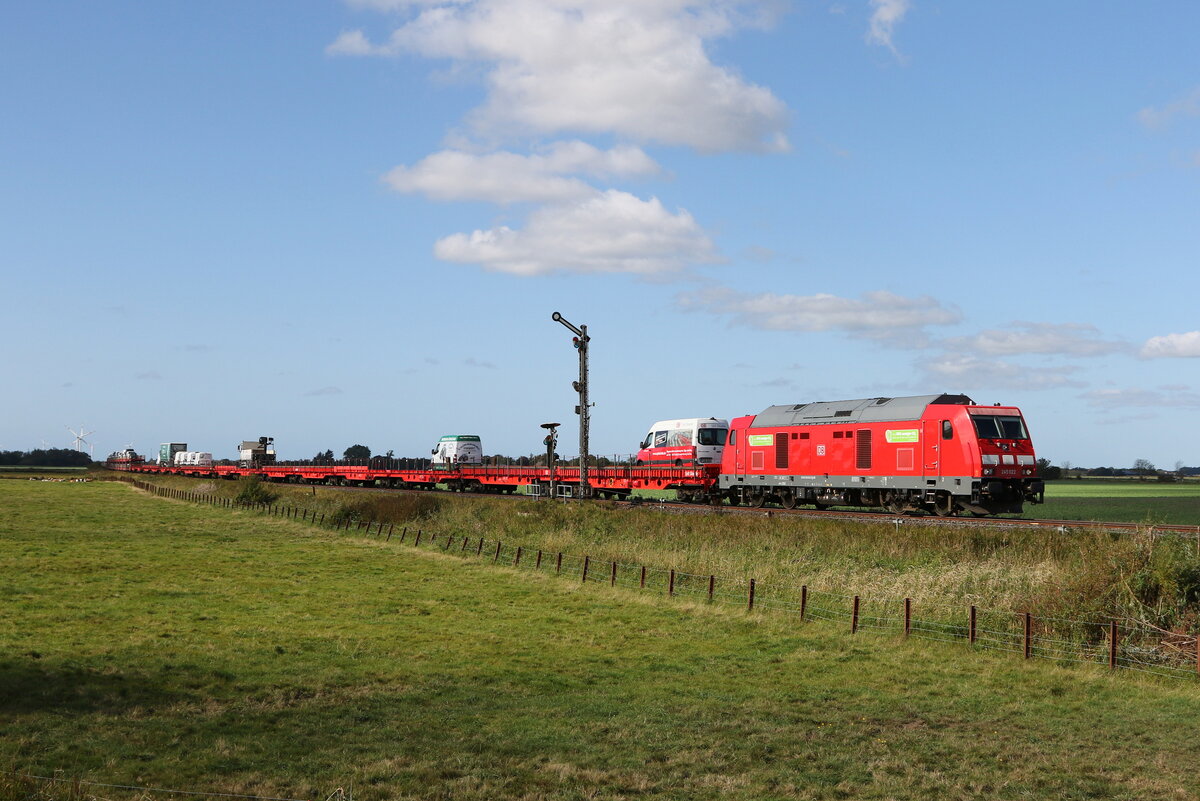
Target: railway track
848 515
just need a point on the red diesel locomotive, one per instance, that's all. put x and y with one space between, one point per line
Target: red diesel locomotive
940 453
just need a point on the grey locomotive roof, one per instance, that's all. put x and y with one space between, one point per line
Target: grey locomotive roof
869 410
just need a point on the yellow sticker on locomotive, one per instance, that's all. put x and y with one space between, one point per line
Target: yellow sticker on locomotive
760 440
903 435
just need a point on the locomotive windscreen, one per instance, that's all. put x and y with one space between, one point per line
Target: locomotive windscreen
991 426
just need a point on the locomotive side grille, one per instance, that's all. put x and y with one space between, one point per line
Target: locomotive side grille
862 449
781 451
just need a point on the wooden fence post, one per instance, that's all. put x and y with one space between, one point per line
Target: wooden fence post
971 627
712 582
1028 635
587 560
479 550
612 581
391 530
403 534
854 617
644 587
417 541
558 564
497 556
803 601
907 616
517 560
750 603
671 586
538 566
1112 644
463 549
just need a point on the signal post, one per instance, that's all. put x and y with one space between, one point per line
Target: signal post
580 341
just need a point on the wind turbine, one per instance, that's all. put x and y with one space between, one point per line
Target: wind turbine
79 439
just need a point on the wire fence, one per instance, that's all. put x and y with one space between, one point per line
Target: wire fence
1119 644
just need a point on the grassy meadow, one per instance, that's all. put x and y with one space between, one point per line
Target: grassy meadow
159 643
1073 574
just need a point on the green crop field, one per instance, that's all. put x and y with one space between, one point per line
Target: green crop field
1123 489
156 643
1148 502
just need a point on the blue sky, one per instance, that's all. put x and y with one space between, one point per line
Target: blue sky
350 222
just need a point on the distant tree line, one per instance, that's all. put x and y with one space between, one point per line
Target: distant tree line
52 457
1142 469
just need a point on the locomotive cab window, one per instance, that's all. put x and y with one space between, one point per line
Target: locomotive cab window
990 426
947 430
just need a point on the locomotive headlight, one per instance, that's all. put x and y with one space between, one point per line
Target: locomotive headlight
987 471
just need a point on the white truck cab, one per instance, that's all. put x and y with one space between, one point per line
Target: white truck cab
688 441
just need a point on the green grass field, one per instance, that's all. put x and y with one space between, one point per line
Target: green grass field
1151 502
158 643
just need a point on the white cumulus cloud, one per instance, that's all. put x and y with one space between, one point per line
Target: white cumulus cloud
1161 116
876 314
1173 346
504 177
1122 398
966 372
885 16
635 68
610 232
1071 339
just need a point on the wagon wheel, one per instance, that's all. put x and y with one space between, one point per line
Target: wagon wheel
787 499
895 504
758 499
